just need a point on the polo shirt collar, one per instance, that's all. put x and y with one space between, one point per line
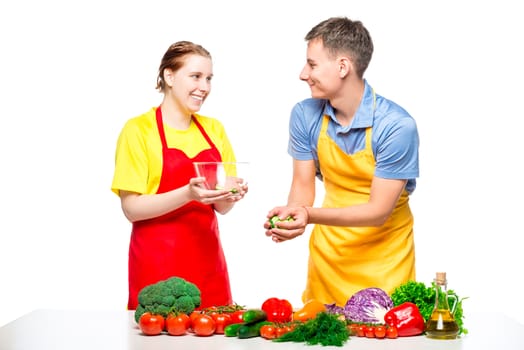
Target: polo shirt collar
364 115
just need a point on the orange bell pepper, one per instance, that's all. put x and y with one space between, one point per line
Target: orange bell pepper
309 310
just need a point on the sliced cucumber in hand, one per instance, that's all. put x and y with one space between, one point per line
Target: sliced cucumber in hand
274 219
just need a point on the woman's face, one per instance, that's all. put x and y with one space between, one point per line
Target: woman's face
191 84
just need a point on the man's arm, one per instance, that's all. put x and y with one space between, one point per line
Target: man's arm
302 190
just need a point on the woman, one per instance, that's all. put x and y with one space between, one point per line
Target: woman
174 225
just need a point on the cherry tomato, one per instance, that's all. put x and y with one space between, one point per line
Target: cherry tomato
268 331
221 321
236 316
151 324
177 324
353 328
211 311
278 310
193 316
392 332
309 310
361 330
369 331
203 325
280 331
380 331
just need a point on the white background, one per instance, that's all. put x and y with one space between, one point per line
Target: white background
72 73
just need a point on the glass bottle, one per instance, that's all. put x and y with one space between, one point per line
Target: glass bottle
442 324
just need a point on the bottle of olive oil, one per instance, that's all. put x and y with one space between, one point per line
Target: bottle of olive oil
442 324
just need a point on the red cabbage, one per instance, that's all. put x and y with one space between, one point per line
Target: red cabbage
368 305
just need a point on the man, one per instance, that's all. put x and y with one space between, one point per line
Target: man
365 150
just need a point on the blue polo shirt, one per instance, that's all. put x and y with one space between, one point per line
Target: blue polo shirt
395 139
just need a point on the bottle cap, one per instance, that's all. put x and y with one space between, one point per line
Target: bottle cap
441 277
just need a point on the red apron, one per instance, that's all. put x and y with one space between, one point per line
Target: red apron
184 242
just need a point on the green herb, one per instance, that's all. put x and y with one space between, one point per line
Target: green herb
325 329
424 297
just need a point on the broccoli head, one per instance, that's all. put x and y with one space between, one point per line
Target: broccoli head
173 295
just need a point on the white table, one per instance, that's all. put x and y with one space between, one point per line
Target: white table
100 330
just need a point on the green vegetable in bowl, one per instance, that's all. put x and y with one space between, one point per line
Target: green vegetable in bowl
173 295
233 190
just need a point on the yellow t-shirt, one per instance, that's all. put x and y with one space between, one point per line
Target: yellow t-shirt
138 158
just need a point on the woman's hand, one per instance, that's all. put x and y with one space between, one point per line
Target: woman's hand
287 229
239 193
199 193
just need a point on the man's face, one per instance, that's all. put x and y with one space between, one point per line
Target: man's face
321 71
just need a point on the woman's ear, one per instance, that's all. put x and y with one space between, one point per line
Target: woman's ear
168 77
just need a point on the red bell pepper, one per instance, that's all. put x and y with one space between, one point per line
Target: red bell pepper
278 310
407 318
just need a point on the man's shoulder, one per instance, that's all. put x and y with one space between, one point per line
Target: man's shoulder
313 103
390 114
310 107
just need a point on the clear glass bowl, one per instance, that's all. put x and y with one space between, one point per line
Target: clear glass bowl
223 175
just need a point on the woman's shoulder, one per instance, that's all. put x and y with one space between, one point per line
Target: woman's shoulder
146 119
141 124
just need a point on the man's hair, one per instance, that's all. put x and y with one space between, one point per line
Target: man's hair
342 35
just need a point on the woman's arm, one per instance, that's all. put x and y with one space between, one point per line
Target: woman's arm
138 206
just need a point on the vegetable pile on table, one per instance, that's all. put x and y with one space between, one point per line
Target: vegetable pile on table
172 306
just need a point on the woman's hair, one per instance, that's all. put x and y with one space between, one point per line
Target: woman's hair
342 35
174 59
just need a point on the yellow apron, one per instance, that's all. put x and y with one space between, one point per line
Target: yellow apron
344 260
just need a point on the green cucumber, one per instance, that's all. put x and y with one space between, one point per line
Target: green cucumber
231 330
254 315
274 219
251 330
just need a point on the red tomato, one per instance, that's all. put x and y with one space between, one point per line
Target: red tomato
211 311
193 316
353 328
268 331
203 325
177 324
392 332
280 331
151 324
369 331
361 331
380 331
278 310
236 316
221 321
